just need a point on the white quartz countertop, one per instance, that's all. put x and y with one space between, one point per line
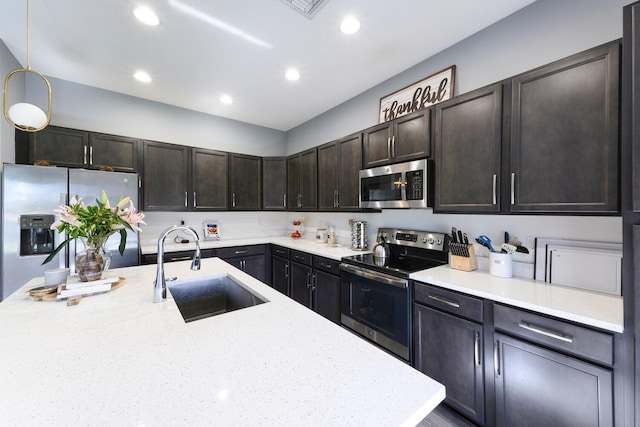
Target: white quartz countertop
590 308
117 359
305 245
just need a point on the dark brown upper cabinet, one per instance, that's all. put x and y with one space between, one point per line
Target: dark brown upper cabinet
302 185
467 150
166 177
75 148
209 179
403 139
565 137
245 177
339 164
274 183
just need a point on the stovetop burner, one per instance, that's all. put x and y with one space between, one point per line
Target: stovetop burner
410 251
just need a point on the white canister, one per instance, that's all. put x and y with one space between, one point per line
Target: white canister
500 264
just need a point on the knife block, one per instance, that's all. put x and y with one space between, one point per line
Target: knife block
464 263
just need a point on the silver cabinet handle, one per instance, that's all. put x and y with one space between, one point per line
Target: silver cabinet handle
233 200
495 180
195 203
286 270
238 252
180 258
513 190
496 358
393 146
476 347
91 155
299 200
389 147
84 156
546 332
444 301
185 199
284 200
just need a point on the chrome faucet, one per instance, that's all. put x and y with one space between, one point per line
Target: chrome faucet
160 286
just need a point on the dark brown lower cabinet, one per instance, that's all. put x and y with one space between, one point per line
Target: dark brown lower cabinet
315 283
540 387
448 347
250 259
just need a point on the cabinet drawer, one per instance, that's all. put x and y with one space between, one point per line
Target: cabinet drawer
177 256
239 251
557 334
280 251
327 265
301 257
449 301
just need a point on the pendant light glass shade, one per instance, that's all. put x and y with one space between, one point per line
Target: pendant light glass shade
22 115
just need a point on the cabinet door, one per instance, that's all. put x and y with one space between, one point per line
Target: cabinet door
294 180
327 295
350 161
209 179
376 145
539 387
300 284
246 182
449 350
565 135
255 266
468 136
58 146
328 177
411 139
118 152
274 183
166 172
309 183
280 274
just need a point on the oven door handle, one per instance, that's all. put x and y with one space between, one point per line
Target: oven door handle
378 277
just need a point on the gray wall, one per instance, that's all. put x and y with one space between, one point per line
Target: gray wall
17 90
544 31
89 108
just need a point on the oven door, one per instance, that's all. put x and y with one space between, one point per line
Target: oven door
376 306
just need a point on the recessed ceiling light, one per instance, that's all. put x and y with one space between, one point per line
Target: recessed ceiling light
142 76
350 25
292 74
146 15
226 99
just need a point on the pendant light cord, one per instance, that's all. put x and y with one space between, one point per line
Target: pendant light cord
28 62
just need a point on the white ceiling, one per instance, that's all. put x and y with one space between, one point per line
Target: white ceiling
192 62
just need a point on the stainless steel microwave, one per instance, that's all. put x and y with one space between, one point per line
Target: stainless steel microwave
402 185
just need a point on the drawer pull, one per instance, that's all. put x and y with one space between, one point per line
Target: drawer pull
545 332
444 301
240 252
322 264
476 348
180 258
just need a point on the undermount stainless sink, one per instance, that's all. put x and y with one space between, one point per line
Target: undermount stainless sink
208 296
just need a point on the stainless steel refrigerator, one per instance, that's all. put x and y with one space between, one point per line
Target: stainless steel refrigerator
29 196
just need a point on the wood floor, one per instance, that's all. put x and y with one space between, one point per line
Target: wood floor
442 416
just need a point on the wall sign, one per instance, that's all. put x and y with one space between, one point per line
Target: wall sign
428 91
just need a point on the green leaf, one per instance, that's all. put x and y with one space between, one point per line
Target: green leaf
56 250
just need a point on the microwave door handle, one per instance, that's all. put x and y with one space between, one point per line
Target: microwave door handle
403 186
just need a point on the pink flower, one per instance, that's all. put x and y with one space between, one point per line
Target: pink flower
132 217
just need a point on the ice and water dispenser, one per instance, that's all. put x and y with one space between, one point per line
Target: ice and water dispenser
36 235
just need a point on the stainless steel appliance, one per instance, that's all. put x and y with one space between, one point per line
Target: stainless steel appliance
402 185
29 196
376 293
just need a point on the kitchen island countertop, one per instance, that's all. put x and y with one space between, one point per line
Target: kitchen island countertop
119 359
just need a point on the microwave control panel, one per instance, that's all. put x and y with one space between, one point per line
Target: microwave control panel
415 185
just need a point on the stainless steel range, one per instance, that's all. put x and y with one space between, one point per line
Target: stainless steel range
375 292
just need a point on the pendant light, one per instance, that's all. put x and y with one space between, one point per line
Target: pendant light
22 115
